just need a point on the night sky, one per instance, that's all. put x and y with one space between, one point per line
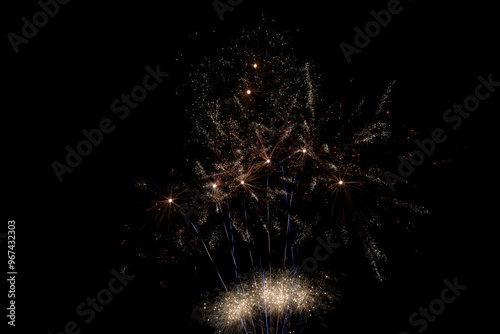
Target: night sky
69 234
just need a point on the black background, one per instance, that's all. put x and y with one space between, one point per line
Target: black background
69 233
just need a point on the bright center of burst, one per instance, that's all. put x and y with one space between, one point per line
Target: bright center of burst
303 150
214 186
170 200
249 91
268 161
341 182
254 65
242 182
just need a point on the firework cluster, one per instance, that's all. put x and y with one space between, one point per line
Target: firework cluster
268 301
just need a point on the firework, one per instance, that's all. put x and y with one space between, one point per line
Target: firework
277 165
270 301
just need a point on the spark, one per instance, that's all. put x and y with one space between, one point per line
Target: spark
166 205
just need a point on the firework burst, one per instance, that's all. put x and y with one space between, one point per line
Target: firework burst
278 165
268 301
